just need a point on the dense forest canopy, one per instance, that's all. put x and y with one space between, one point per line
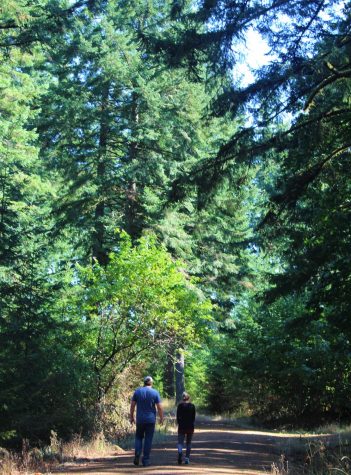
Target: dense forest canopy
149 201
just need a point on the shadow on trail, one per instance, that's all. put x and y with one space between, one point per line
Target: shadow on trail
216 450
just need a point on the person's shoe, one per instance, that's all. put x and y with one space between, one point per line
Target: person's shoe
146 463
180 459
187 461
136 460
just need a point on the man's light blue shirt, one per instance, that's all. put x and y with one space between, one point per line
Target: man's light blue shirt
146 398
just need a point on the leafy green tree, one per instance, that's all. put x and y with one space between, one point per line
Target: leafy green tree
139 125
139 302
117 128
266 364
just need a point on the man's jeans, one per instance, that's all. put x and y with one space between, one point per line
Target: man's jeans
144 430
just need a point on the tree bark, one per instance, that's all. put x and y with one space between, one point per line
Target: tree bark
132 211
179 375
169 385
98 250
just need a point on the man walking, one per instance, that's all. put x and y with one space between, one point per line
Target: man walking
146 399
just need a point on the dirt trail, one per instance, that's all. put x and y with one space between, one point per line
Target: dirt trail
217 449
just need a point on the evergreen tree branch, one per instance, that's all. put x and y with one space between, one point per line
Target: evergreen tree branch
326 82
297 185
309 24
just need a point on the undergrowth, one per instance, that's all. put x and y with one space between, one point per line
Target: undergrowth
321 455
43 460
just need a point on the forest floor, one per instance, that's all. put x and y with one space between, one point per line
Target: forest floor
218 448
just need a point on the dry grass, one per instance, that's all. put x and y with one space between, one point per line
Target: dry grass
8 463
35 460
44 460
78 448
28 461
323 454
281 467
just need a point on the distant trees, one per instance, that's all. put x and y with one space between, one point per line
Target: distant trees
284 333
125 115
92 131
117 127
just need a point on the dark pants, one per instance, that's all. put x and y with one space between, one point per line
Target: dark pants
181 438
144 430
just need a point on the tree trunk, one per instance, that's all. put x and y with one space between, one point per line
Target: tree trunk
132 210
179 375
98 250
169 386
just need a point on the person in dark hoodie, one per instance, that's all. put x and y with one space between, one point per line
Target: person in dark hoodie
186 413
